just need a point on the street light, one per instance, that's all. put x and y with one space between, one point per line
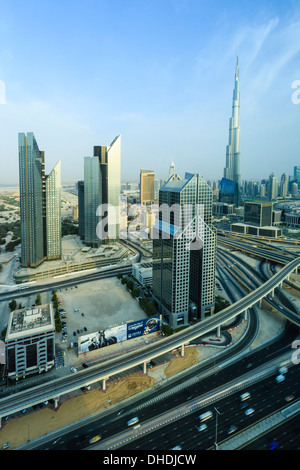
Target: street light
216 435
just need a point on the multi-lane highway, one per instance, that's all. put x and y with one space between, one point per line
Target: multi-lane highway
114 366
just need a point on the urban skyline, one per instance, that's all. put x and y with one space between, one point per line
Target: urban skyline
161 114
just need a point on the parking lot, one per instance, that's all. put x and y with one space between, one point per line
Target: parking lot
95 306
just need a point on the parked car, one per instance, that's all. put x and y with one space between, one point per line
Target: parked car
73 369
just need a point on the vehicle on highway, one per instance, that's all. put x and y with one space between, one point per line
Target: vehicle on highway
202 427
84 365
95 439
249 411
273 445
232 429
245 396
289 398
283 370
73 369
280 378
176 448
206 416
133 421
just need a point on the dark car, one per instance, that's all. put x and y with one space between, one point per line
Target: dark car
74 334
84 365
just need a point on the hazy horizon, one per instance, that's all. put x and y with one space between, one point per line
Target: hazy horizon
160 74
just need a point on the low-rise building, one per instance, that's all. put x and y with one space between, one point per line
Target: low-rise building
142 272
30 341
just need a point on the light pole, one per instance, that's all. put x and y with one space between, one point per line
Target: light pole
216 435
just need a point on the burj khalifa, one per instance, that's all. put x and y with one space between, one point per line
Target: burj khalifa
232 169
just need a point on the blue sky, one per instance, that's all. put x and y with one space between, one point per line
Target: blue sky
160 73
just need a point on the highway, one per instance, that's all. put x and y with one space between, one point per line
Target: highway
179 391
55 388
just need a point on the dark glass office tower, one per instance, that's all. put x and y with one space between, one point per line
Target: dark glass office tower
184 251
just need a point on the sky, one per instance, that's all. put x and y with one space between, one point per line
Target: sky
160 73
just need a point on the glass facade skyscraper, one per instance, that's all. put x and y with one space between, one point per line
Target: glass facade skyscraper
40 222
184 251
102 185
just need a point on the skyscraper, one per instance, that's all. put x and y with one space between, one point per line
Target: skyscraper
80 188
53 213
272 187
39 205
171 169
184 249
232 169
297 175
102 184
147 186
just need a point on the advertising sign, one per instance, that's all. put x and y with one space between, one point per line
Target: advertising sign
117 334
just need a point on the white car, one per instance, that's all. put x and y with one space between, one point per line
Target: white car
203 427
73 369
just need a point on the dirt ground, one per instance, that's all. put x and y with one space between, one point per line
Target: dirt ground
37 423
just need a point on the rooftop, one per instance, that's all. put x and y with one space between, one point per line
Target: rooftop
26 321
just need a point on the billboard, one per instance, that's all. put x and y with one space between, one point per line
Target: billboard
117 334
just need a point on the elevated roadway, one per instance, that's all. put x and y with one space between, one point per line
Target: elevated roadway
55 388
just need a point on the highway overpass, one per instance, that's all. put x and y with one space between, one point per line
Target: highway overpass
53 390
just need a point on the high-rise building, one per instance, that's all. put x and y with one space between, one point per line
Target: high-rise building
80 189
297 175
147 186
92 199
39 205
102 186
272 187
53 213
184 250
171 169
232 169
284 185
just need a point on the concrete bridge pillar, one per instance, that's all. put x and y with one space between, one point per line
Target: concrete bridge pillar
144 367
56 400
260 303
219 331
182 350
104 384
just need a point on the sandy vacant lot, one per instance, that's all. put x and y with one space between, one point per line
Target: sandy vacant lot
104 303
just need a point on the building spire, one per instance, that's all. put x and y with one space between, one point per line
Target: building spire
232 169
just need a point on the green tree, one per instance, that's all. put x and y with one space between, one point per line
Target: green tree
38 300
12 305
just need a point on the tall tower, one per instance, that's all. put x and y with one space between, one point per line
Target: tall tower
184 251
171 169
53 213
147 186
102 185
232 169
40 203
